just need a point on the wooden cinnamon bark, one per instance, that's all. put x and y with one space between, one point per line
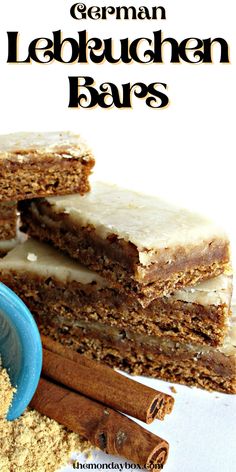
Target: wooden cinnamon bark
103 384
105 428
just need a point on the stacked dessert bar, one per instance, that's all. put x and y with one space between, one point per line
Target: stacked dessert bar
131 281
40 164
34 165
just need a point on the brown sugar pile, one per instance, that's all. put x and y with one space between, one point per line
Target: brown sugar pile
33 442
6 392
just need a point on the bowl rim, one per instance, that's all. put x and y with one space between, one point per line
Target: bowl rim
14 310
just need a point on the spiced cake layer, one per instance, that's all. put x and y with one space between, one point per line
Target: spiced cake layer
41 164
139 243
52 283
193 365
8 220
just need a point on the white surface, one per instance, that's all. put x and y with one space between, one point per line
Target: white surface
185 153
201 431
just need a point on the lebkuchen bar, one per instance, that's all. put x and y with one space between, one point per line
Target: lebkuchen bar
45 277
206 367
41 164
139 243
8 226
169 339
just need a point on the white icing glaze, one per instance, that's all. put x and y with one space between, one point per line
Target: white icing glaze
32 257
229 346
8 244
146 221
48 262
65 143
216 291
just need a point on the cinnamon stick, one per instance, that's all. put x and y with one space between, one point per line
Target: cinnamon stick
105 428
103 384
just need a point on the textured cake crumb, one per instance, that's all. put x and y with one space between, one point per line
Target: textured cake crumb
173 389
33 442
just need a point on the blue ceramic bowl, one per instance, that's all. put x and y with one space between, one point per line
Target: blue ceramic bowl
20 349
